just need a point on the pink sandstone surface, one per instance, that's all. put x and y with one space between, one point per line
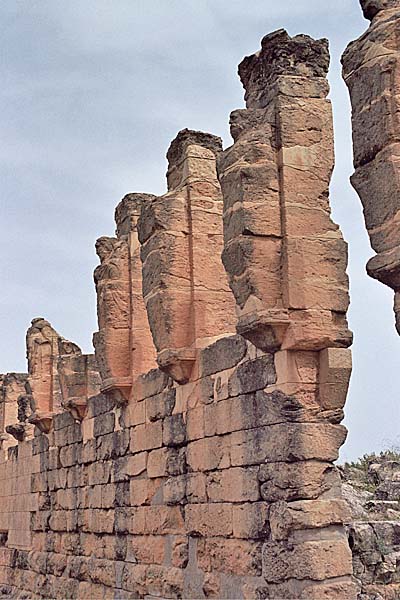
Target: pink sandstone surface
193 455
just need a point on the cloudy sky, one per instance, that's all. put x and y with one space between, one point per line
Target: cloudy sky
92 93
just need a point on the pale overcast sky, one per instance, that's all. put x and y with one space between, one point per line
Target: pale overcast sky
92 93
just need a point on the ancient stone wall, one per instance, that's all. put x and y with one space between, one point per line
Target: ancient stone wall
371 70
188 459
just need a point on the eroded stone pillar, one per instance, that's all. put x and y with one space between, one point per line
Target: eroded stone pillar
187 297
371 70
59 376
123 344
126 217
79 380
286 261
285 258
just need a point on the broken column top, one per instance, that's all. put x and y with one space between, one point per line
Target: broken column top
282 55
128 210
188 137
42 330
178 151
371 8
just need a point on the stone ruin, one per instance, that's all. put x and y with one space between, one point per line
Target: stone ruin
192 456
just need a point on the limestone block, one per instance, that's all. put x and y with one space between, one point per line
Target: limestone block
207 454
298 480
334 376
233 485
146 437
250 520
209 519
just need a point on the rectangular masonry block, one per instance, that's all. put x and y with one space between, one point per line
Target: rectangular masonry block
146 437
209 519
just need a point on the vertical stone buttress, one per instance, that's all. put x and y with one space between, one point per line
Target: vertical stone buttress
123 343
286 261
371 70
59 375
187 297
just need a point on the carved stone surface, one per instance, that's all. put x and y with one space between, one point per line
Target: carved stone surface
371 70
187 297
43 347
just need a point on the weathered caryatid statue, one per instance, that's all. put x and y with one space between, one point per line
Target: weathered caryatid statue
285 258
186 293
124 347
371 70
112 342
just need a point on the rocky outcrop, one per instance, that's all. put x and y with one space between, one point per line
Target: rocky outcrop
371 488
371 70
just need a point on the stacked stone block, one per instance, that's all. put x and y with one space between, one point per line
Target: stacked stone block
183 493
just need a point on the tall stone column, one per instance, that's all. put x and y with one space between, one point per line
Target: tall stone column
188 300
371 70
142 348
123 344
286 262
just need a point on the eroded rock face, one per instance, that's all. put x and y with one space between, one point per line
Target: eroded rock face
371 8
371 488
371 70
187 297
